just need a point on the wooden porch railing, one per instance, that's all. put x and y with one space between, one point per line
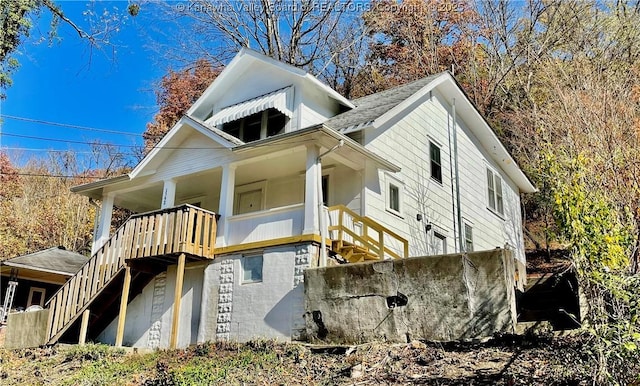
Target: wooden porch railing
366 234
184 229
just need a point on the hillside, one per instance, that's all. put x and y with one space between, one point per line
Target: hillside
503 361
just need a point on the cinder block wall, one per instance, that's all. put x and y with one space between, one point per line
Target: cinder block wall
435 298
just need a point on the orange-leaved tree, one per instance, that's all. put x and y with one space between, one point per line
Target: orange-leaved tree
176 93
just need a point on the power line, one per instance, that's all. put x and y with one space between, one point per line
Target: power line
62 140
48 175
68 125
30 149
140 146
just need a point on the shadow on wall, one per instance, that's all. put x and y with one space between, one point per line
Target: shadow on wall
279 317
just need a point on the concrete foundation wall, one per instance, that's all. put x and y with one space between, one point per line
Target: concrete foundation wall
271 309
26 329
435 298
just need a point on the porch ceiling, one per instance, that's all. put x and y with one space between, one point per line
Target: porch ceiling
189 188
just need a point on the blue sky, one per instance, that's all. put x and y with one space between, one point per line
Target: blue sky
63 83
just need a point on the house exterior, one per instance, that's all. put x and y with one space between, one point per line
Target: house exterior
271 172
36 277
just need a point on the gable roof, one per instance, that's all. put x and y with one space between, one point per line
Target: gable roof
375 110
370 107
243 60
174 135
53 260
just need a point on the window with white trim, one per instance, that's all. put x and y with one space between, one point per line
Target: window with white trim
439 243
36 296
395 190
436 163
252 268
468 238
494 192
260 125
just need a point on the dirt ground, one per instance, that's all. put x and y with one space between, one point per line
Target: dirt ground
502 361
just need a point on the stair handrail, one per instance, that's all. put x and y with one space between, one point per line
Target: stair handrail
93 276
381 229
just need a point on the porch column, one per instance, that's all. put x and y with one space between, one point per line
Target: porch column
168 194
225 207
102 233
311 196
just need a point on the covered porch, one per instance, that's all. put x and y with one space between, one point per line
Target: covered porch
269 192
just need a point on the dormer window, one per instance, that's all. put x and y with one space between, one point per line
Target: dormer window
260 125
256 118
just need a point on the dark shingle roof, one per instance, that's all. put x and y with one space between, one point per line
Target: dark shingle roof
53 260
372 106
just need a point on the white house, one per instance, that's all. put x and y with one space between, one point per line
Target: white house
281 173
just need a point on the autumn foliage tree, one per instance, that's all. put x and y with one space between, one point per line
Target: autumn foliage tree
176 93
38 210
415 38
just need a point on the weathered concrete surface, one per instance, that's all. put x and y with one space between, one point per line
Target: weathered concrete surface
436 298
26 329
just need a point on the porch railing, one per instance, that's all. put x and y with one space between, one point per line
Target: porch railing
348 228
184 229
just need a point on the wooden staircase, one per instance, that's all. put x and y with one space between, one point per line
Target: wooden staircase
358 238
155 238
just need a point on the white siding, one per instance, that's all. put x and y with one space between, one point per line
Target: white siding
196 153
406 143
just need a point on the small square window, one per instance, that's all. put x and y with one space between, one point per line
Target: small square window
436 164
468 238
252 269
394 197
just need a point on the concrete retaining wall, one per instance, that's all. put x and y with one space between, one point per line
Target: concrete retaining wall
435 298
26 329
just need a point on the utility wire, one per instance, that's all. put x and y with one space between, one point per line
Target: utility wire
69 125
30 149
48 175
140 146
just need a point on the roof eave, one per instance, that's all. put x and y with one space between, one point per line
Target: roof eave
383 163
39 269
507 162
85 189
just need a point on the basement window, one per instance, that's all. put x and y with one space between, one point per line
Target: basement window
252 269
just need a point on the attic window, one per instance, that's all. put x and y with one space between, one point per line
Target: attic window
260 125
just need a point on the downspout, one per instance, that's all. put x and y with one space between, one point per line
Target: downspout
455 155
323 226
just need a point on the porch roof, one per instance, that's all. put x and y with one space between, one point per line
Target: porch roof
56 260
321 135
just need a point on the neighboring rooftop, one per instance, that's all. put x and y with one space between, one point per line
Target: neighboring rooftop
54 260
372 106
